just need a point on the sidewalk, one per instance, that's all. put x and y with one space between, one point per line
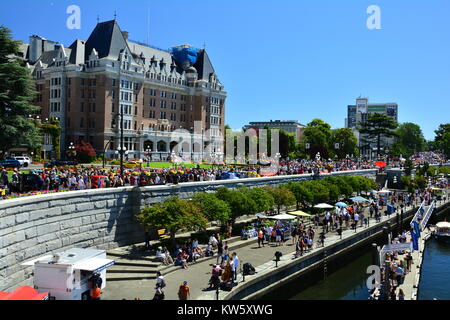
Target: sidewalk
198 274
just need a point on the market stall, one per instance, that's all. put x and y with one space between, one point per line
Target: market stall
70 275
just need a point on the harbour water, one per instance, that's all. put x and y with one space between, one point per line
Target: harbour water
435 278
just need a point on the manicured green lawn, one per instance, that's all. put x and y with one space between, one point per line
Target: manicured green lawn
165 165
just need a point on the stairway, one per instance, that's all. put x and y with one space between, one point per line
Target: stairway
133 264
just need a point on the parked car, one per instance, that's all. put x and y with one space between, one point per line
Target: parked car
24 161
60 163
10 163
132 164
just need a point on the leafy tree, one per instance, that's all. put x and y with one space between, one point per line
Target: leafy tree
409 141
440 132
333 190
263 199
282 196
287 144
444 144
378 125
318 134
302 195
344 187
348 144
213 209
173 214
319 191
239 202
17 90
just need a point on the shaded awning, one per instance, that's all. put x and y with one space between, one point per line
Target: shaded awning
299 213
95 265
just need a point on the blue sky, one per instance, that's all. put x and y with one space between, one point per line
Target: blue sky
284 59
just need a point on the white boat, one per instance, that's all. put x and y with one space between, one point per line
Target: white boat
442 231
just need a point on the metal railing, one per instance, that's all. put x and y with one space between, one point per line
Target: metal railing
427 215
419 212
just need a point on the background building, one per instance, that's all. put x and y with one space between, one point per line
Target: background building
291 126
359 113
88 84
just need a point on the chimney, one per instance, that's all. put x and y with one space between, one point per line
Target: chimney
125 34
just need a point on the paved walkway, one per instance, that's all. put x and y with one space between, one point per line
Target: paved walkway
198 274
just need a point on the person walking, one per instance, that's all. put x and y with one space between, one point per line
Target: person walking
401 295
184 291
95 292
160 282
260 238
234 266
219 250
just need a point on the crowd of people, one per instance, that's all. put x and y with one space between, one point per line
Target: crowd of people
430 157
91 177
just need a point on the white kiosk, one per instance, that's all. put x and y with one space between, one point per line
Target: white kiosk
65 275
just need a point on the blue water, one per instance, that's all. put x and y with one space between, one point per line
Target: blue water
435 277
347 283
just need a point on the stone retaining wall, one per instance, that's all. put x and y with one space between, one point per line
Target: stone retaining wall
103 218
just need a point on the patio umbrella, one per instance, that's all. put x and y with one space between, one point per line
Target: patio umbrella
323 206
359 199
300 214
384 191
262 216
380 164
283 216
341 204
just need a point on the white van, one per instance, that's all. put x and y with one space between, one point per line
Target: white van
24 161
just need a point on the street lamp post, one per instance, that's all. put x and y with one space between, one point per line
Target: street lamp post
71 150
148 152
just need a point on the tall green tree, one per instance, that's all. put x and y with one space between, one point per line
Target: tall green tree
442 139
17 90
263 199
377 126
213 208
239 202
348 144
173 214
318 135
409 140
282 196
302 195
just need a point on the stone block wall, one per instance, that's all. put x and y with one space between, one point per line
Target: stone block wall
103 219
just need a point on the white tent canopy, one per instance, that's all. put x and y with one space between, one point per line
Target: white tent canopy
283 216
323 206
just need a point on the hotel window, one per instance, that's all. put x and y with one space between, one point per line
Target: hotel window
163 104
113 94
112 107
81 122
82 107
135 111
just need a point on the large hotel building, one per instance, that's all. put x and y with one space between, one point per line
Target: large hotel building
91 84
